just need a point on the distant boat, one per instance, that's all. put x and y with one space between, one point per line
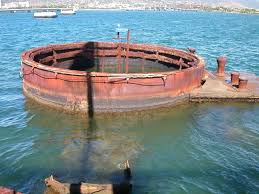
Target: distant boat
68 12
45 14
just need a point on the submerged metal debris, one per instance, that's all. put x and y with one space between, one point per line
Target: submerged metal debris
8 191
124 187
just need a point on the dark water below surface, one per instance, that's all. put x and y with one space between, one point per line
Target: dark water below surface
196 148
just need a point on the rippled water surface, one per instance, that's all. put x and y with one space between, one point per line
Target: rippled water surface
206 148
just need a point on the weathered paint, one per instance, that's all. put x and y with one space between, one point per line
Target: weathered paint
101 91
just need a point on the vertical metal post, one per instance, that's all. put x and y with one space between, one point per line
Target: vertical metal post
119 57
127 52
54 57
181 63
102 63
143 65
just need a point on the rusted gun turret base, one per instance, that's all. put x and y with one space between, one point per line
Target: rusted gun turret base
89 76
219 89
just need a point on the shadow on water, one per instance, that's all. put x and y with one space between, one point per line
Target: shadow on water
88 61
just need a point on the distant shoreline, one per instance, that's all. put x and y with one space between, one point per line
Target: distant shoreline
215 10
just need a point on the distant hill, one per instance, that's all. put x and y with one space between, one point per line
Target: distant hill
216 3
231 3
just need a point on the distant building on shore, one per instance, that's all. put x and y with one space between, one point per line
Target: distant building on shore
19 4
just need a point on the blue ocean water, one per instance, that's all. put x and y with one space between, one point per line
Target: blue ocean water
207 148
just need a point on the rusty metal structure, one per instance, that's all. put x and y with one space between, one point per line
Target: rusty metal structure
109 76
